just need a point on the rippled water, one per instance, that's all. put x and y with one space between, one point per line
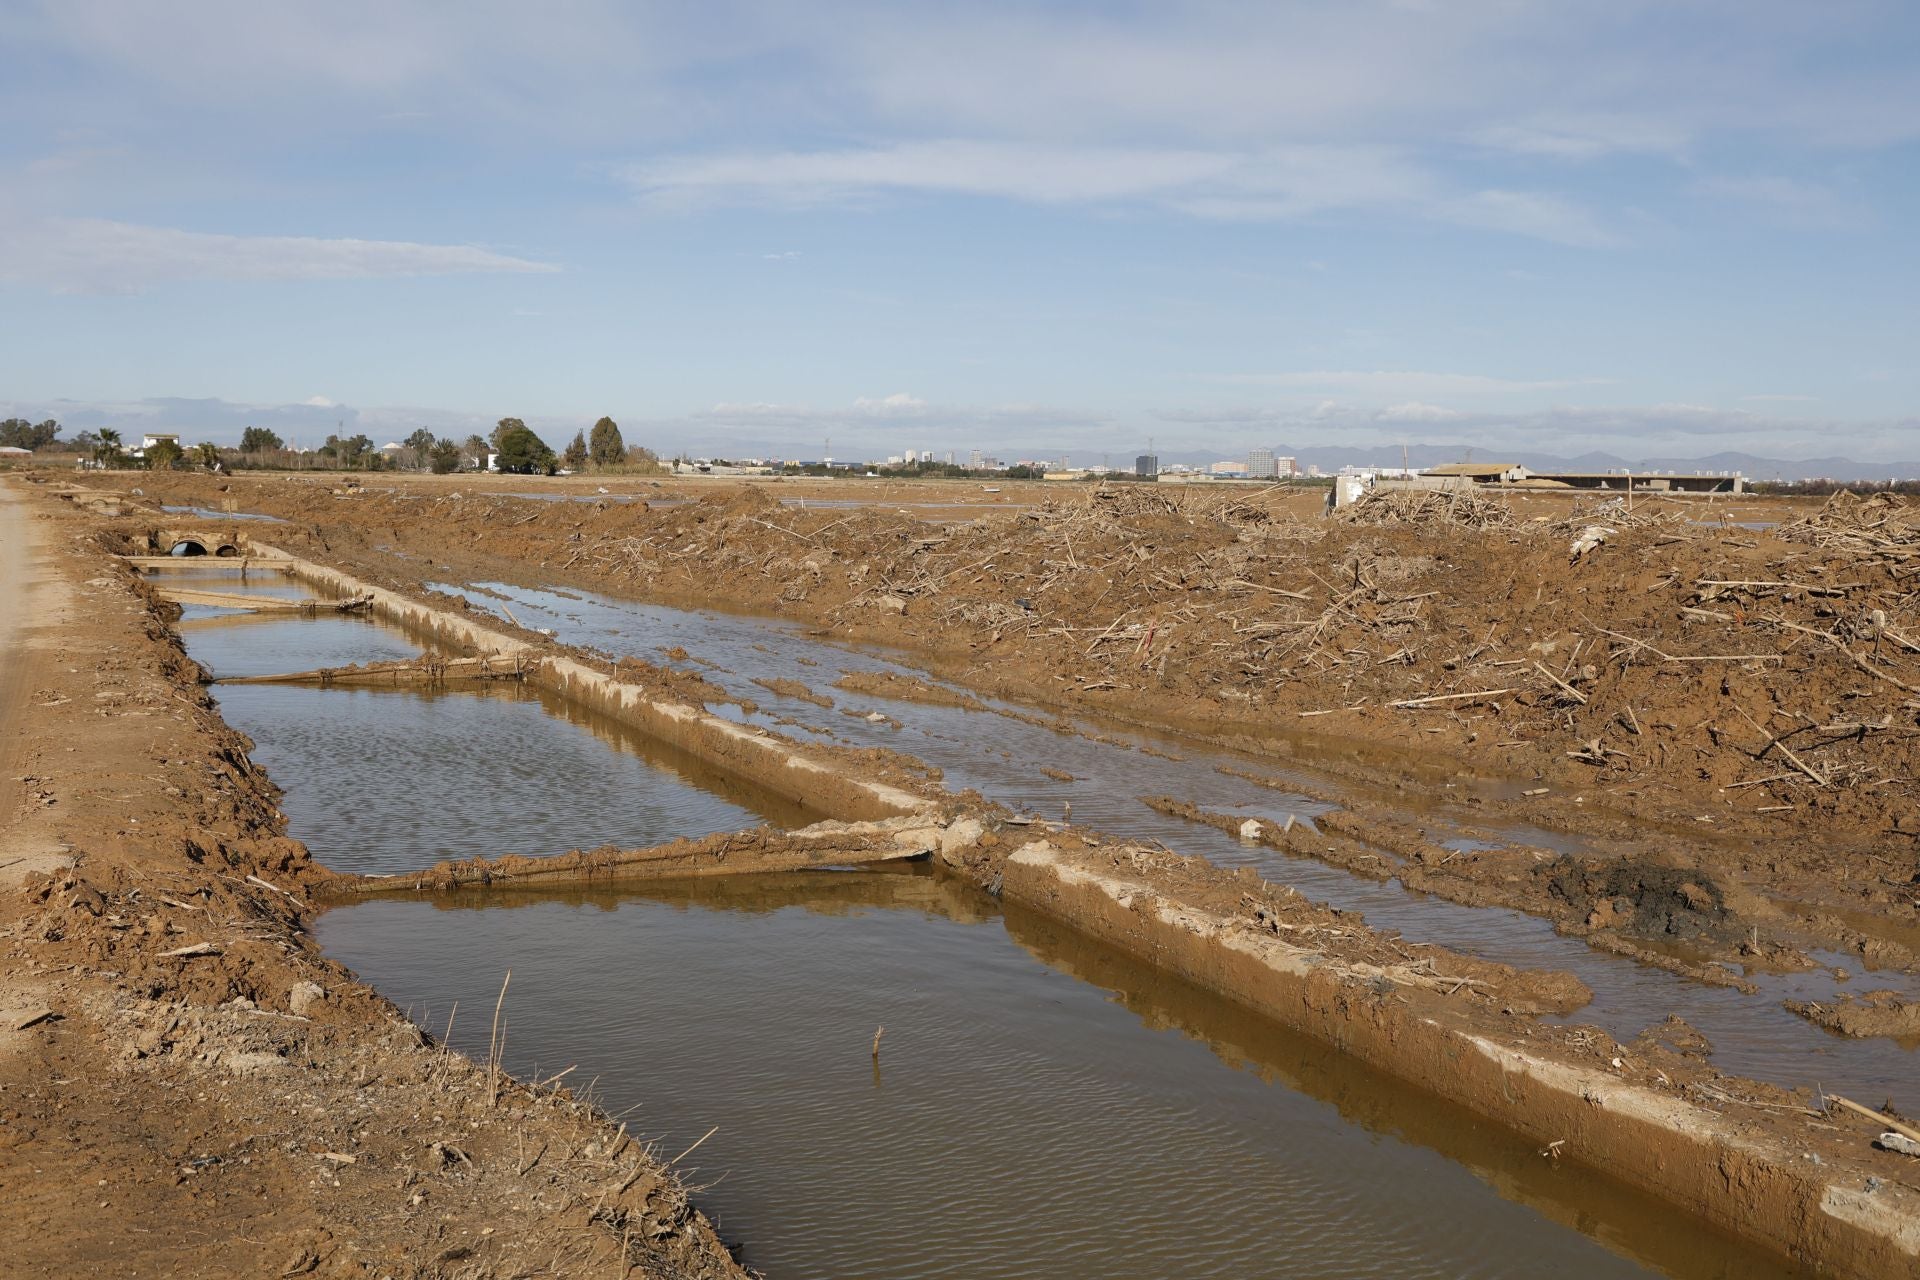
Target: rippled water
1021 1122
393 780
210 514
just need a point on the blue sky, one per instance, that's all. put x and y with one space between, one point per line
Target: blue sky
1653 228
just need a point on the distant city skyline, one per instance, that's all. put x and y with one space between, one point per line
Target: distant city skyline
1661 229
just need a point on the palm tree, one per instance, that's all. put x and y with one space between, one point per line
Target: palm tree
207 454
107 452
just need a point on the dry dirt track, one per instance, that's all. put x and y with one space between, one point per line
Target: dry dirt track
29 600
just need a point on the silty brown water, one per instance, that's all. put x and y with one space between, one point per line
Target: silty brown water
1041 1105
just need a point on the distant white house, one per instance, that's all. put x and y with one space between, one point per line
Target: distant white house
153 438
14 451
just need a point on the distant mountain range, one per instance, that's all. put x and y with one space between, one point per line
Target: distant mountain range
1753 466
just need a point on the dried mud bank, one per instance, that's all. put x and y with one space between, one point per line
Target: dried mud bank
187 1086
1735 698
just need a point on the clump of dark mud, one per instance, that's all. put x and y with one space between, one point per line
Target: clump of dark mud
1640 898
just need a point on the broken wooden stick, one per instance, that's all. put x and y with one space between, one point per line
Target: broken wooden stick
1451 697
1896 1126
1578 696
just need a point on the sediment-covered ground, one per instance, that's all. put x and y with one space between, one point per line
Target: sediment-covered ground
1721 715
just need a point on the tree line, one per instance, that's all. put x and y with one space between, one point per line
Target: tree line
512 446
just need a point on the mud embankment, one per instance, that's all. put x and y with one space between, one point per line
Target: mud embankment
1665 681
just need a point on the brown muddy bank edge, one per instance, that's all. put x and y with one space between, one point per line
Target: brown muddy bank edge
187 1086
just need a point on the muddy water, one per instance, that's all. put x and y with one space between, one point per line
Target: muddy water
1042 1105
1001 757
395 780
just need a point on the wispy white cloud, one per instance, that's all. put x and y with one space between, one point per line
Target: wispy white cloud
1020 170
1417 411
899 404
1260 185
1384 384
1538 215
1786 202
97 255
1586 137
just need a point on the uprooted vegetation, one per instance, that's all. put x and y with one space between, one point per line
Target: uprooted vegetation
1681 668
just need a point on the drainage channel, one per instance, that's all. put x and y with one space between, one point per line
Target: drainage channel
1040 1105
1752 1034
414 776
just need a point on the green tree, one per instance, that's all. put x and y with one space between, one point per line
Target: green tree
348 452
576 455
477 448
606 448
207 454
163 455
444 457
502 427
108 452
421 443
521 451
260 440
21 434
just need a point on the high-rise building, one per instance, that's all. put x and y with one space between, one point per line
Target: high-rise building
1284 468
974 459
1147 466
1260 464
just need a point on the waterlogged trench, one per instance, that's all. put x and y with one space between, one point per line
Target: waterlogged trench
1002 757
1042 1105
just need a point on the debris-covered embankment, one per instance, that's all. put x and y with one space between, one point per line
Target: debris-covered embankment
1746 696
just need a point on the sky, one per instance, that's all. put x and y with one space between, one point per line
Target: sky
1660 228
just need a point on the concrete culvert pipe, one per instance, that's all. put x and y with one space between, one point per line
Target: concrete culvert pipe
187 547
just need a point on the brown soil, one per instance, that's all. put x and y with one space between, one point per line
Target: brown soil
187 1086
891 684
1375 994
1738 697
1874 1013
